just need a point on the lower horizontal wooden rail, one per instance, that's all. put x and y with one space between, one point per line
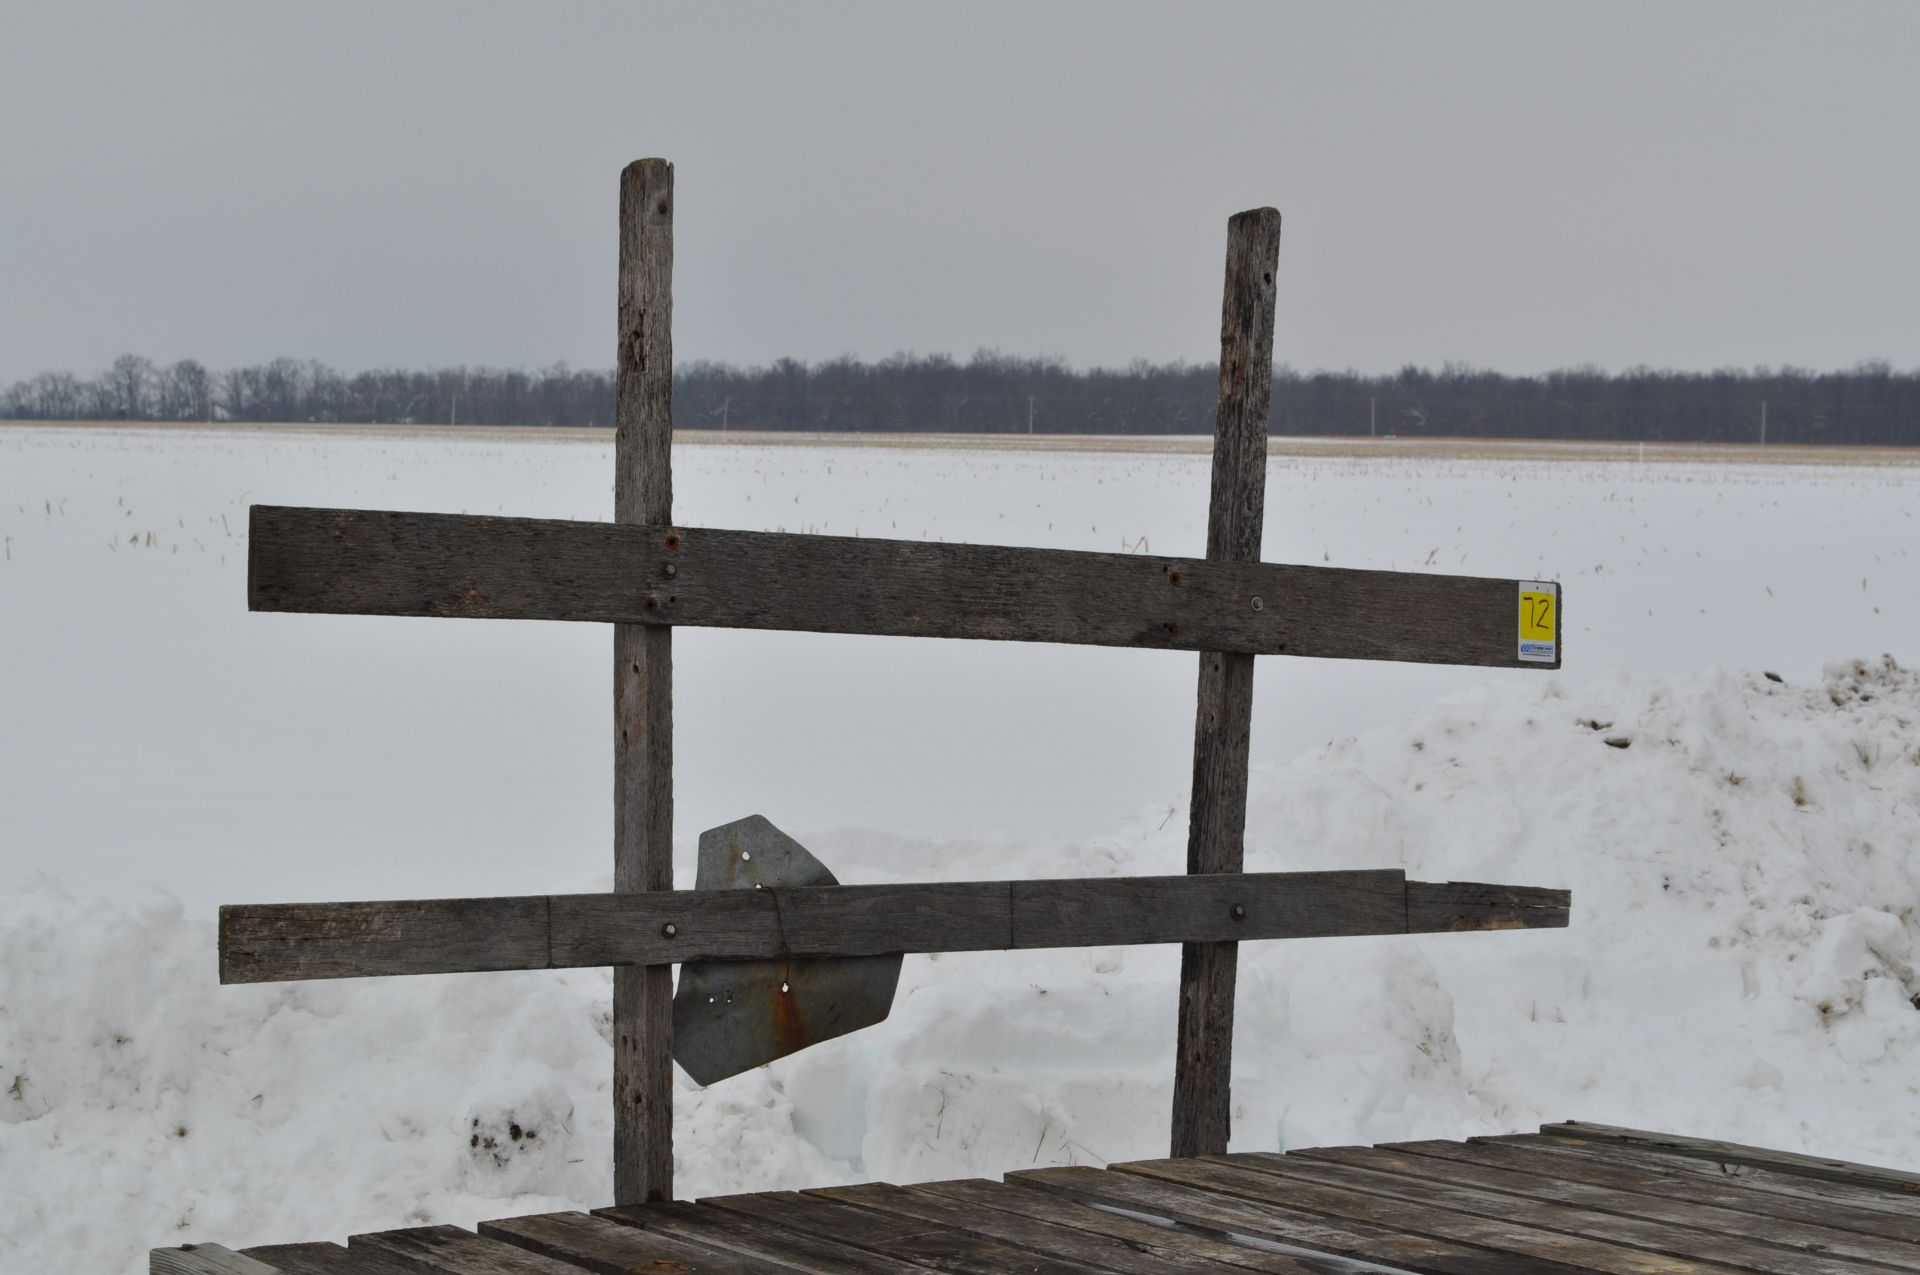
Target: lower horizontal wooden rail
276 941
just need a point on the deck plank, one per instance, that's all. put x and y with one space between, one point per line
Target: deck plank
458 1252
1864 1197
1044 1239
1873 1175
327 1259
1722 1192
598 1244
204 1259
938 1247
1423 1171
741 1234
1691 1242
1160 1237
1351 1236
1505 1233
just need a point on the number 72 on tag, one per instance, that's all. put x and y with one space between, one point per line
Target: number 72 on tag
1539 621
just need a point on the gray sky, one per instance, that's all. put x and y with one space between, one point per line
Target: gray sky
1524 185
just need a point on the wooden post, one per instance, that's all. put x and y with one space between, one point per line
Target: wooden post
643 684
1217 820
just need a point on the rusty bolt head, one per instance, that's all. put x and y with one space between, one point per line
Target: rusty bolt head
673 540
653 603
1173 578
669 929
1239 911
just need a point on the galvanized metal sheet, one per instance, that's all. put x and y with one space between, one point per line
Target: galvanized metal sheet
733 1016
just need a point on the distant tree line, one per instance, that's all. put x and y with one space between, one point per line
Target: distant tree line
998 393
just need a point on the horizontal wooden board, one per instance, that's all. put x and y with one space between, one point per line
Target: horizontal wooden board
769 1241
328 1259
1809 1166
204 1259
1604 1166
366 562
1437 907
1362 1232
267 942
433 1250
1711 1230
600 1245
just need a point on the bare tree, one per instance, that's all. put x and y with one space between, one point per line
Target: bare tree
128 383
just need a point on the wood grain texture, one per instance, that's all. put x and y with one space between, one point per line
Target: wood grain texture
933 1246
328 1259
1594 1165
1442 906
1223 717
276 941
456 1252
1875 1176
1366 1234
368 562
1155 1238
1510 1234
598 1244
753 1237
204 1259
1709 1230
1029 1235
1696 1241
1819 1191
643 683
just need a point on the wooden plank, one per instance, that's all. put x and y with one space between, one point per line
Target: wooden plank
204 1259
1747 1177
1044 1239
1425 1215
1713 1224
457 1252
1223 718
367 562
643 684
1368 1233
262 943
1694 1242
599 1244
1158 1238
271 941
739 1233
328 1259
1877 1176
1443 906
1625 1175
933 1246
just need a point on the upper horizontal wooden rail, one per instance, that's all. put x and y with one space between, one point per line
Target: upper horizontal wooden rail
367 562
268 942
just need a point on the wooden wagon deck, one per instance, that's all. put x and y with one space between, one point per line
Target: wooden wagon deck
1574 1197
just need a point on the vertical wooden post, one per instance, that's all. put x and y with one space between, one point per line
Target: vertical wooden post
1216 828
643 685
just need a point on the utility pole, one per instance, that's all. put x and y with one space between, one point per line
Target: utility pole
1763 422
1372 414
1029 413
453 413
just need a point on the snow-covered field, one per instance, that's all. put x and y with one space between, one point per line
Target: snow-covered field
1745 868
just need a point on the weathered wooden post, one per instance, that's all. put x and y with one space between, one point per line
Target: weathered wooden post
1223 719
643 682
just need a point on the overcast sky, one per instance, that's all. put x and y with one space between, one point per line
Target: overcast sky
1522 186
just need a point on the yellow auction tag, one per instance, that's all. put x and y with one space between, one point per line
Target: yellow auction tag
1539 621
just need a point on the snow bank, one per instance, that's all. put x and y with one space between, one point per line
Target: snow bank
1745 861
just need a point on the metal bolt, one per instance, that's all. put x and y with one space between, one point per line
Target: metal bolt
653 603
1239 911
672 569
669 929
1258 604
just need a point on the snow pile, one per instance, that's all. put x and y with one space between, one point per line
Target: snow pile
1745 861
